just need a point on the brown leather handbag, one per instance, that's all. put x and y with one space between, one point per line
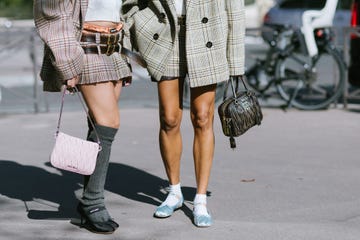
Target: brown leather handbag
239 112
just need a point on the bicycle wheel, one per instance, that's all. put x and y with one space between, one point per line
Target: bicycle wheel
311 84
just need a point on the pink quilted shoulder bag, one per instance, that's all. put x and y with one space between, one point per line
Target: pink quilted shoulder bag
71 153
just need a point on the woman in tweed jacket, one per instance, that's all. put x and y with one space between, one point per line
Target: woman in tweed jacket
82 47
200 39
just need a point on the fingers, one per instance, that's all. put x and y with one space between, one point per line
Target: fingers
70 84
120 26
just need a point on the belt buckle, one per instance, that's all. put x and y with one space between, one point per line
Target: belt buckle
110 49
110 40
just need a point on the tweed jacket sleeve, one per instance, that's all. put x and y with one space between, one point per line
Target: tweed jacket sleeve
54 21
236 36
128 9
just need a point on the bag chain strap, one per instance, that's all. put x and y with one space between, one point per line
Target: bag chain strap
86 111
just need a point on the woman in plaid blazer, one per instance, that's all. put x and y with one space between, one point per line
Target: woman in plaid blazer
204 41
81 40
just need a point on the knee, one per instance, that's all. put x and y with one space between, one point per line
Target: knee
202 120
170 122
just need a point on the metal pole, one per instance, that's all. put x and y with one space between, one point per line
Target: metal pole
33 60
347 32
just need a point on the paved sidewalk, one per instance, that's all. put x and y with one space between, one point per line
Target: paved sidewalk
297 176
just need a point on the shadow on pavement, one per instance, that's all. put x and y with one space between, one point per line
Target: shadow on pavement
29 183
55 193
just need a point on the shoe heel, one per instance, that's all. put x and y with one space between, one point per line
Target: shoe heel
95 227
82 221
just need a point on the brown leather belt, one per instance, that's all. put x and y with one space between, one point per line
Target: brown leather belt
108 50
103 43
102 38
100 43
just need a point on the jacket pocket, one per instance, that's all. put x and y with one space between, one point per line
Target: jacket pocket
146 24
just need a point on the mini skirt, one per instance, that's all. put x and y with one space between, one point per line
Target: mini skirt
103 68
100 67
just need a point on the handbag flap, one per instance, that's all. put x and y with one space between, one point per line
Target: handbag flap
74 154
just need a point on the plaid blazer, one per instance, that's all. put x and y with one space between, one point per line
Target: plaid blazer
58 23
215 31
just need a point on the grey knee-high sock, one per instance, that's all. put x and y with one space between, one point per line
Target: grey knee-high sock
93 195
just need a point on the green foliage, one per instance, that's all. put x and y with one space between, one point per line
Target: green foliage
16 9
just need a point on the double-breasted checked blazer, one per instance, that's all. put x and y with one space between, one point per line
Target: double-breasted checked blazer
215 31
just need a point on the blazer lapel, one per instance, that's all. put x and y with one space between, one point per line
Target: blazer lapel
172 8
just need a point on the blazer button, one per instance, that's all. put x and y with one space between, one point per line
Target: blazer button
204 20
156 36
162 17
209 44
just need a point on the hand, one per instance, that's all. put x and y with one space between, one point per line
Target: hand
71 83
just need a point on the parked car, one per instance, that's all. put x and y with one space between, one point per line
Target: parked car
354 66
255 11
290 12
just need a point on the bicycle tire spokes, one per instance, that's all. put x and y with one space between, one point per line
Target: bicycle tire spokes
322 79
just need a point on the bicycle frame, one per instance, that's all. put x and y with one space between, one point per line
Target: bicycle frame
278 46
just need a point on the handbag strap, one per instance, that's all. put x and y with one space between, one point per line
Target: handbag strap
234 81
84 107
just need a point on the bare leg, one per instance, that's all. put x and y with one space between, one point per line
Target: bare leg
202 117
102 101
170 112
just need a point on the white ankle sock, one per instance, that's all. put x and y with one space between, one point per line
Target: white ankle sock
200 204
175 189
174 195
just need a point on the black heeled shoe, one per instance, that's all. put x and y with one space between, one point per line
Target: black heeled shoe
106 227
113 223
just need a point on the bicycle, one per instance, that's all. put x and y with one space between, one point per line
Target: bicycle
301 80
298 61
